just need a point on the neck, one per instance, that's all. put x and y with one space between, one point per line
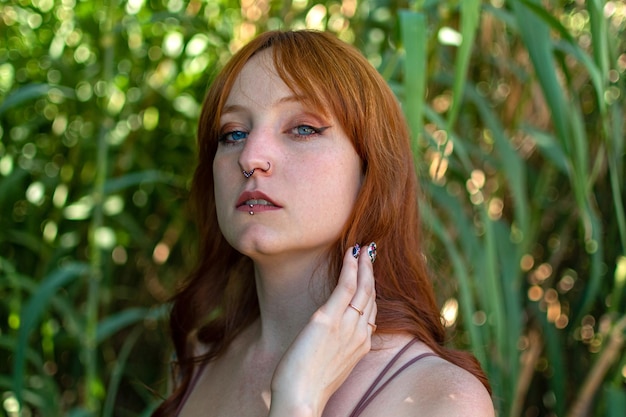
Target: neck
289 292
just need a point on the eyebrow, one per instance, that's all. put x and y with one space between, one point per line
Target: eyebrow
235 108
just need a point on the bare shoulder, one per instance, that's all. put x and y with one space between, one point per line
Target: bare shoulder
435 387
453 391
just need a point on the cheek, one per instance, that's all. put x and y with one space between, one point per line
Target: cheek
220 185
221 204
351 173
344 184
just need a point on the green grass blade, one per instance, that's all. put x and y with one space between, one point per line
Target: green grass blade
511 164
549 147
118 371
599 36
460 147
493 288
512 302
616 401
468 306
32 357
470 275
619 279
470 17
595 250
570 45
116 322
618 203
113 185
33 310
537 39
616 158
414 39
44 399
554 349
30 92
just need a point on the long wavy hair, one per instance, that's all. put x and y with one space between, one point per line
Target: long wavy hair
218 299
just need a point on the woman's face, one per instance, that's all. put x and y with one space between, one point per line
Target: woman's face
306 171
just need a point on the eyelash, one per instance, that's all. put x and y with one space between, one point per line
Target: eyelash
224 137
313 131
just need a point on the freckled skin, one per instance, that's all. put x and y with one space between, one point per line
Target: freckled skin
315 172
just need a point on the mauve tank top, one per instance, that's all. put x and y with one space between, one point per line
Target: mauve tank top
369 395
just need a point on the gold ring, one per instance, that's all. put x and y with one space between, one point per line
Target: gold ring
373 326
356 309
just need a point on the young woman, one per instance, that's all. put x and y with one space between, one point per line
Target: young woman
304 156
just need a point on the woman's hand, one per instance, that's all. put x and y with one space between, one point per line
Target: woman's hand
330 345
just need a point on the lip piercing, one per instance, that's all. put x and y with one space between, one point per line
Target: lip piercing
355 308
251 208
248 174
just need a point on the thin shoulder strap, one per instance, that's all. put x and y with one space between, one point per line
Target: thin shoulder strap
192 385
370 394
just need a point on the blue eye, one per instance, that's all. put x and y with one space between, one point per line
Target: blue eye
238 135
234 136
304 131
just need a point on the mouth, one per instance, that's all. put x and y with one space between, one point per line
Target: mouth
249 199
258 202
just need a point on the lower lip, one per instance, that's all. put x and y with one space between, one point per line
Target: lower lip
257 208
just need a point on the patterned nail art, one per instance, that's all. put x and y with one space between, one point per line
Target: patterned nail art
356 250
371 251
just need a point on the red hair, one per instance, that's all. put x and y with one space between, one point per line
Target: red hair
217 300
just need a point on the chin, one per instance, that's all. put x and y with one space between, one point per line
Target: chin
254 246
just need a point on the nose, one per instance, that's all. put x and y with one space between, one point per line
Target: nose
257 154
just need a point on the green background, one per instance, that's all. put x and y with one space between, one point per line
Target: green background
517 113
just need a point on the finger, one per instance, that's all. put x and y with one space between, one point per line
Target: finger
371 320
373 312
365 295
347 285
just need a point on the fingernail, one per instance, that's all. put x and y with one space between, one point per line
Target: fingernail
371 251
356 250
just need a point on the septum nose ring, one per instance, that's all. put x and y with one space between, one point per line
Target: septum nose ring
248 174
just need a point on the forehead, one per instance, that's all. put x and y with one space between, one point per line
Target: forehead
261 83
258 83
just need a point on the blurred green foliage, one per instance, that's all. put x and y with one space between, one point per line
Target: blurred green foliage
518 119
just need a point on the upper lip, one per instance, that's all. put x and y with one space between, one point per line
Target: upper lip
254 195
